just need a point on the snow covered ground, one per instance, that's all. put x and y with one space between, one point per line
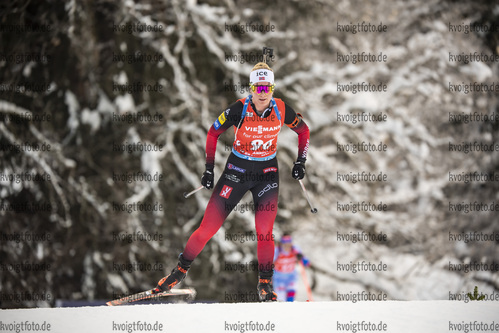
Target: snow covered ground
389 316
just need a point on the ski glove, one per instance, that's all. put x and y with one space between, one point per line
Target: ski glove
298 170
208 178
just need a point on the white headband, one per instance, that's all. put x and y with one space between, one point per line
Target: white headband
262 75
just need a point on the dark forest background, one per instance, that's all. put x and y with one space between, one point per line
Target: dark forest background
67 76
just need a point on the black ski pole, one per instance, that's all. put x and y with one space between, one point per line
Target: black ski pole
312 208
186 195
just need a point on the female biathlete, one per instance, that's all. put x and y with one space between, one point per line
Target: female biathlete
251 166
286 256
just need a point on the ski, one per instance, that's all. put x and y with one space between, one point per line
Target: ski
150 295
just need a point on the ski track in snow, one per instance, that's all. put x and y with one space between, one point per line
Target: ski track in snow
399 316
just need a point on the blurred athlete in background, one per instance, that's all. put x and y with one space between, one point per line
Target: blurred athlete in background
286 257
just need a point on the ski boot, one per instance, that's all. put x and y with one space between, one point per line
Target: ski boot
175 277
265 289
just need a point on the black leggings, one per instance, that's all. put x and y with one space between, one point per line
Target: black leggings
238 177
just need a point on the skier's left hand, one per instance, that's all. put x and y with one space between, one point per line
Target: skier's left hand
298 170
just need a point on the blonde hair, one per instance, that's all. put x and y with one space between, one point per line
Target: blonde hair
261 65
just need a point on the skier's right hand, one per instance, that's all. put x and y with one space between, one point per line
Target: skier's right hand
208 178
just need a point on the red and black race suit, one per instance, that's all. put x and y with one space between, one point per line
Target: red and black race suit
241 175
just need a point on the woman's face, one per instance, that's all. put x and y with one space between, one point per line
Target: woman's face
262 99
287 247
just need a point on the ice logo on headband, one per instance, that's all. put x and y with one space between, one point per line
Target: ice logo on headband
261 76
